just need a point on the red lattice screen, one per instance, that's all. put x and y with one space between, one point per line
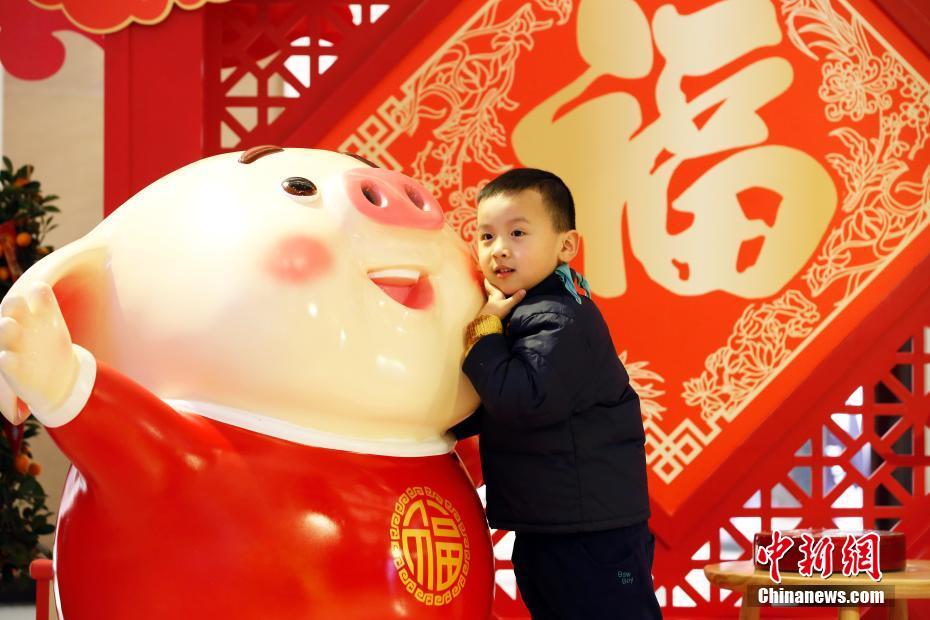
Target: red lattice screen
866 466
270 66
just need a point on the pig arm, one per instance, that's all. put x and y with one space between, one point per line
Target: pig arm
118 434
526 385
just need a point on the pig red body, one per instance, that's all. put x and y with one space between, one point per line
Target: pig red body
174 515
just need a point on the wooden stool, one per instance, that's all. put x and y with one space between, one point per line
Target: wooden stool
912 582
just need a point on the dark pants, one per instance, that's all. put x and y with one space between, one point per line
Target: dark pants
588 575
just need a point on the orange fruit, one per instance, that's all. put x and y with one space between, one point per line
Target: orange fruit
4 274
23 239
35 469
21 463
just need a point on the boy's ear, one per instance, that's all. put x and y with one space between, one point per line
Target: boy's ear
569 244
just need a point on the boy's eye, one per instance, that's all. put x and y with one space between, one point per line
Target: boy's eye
518 233
485 236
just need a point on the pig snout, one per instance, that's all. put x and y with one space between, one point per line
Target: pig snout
392 198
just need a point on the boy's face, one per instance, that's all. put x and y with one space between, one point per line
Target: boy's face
518 245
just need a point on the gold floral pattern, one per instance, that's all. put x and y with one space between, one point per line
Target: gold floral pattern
884 212
643 381
462 215
761 341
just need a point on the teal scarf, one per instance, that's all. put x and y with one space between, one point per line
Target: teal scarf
568 275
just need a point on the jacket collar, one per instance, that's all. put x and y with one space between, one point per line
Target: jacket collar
550 285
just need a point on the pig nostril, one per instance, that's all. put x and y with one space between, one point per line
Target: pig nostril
416 198
373 195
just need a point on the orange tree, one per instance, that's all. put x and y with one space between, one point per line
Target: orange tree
25 217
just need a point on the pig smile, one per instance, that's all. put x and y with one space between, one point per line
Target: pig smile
406 286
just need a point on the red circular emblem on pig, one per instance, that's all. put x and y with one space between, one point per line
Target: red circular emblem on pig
429 546
298 259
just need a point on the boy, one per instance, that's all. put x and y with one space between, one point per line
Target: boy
562 441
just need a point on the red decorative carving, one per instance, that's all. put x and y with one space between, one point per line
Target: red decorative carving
270 68
28 48
112 15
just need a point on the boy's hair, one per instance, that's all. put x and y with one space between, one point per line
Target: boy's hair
556 195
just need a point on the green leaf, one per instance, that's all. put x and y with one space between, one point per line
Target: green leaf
29 486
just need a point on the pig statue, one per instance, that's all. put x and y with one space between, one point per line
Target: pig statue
251 365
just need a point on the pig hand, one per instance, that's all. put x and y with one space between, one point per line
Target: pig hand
37 359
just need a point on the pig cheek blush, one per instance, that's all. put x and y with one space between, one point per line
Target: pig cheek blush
298 259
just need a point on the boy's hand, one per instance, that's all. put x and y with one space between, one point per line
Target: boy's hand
497 304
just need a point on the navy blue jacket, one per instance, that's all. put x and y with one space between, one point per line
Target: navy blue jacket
561 434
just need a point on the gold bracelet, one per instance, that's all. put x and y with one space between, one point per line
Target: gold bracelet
482 325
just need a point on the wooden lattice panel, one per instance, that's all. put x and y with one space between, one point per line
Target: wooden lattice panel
271 65
866 465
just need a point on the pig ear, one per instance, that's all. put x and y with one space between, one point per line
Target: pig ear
78 275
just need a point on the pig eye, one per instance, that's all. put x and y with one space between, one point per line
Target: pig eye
299 186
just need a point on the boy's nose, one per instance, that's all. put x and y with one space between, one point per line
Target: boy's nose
392 198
